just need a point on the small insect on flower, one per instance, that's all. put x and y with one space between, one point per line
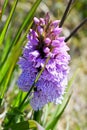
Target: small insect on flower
45 41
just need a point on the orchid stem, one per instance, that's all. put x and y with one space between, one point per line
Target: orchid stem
26 95
37 78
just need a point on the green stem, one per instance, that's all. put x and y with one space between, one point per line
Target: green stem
38 76
26 96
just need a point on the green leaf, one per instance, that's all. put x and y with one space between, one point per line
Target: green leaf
7 22
38 115
16 111
20 126
25 125
19 98
17 101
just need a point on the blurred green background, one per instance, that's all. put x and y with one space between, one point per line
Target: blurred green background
75 115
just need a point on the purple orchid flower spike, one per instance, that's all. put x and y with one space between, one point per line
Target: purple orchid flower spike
43 41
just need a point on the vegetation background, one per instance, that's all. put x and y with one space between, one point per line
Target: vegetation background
75 115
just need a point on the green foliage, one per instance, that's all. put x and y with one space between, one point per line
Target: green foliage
7 65
2 36
25 125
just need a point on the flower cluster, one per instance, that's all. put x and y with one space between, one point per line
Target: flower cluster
45 40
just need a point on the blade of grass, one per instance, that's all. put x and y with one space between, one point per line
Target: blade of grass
19 98
9 74
17 47
54 121
7 66
3 8
24 25
27 20
2 36
6 47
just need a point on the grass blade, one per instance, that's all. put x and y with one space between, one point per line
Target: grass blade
3 8
53 122
7 22
27 20
24 25
16 51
